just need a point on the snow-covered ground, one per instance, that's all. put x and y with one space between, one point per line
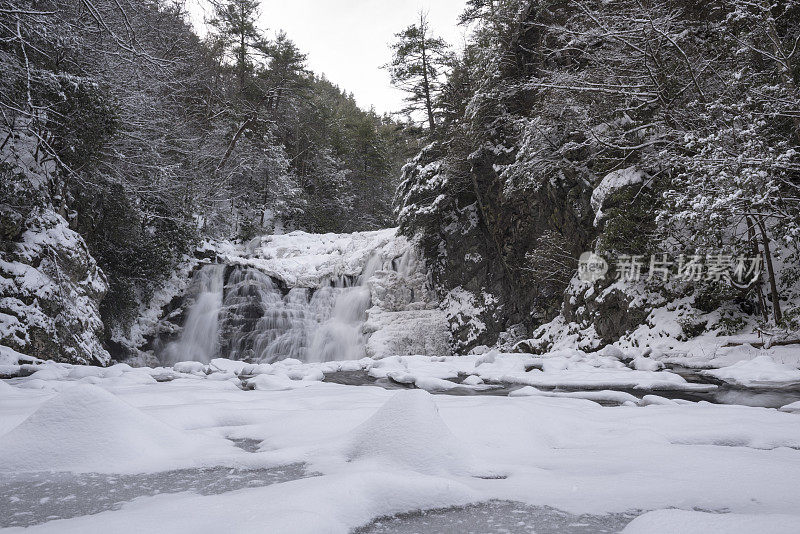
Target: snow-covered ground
365 452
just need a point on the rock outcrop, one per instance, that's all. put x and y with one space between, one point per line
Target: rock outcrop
50 285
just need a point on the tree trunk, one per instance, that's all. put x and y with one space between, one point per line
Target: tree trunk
242 50
751 235
426 85
785 63
773 286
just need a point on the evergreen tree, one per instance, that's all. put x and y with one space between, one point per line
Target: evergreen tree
235 24
286 73
418 66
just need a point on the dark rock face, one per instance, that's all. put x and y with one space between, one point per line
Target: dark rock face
611 312
483 240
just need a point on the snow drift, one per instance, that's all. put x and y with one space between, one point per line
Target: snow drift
87 429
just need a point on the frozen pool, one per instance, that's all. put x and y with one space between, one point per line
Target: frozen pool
497 517
33 498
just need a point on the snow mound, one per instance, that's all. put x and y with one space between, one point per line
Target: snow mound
760 371
87 429
190 367
408 432
686 522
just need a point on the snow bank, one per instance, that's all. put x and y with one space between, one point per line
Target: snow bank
686 522
408 432
791 408
761 371
87 429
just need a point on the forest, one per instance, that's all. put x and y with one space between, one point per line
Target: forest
550 283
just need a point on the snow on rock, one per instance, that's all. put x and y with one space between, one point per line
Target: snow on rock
761 371
10 358
472 380
87 429
642 363
271 383
50 293
611 183
690 522
432 384
656 400
408 433
575 368
190 367
603 396
301 259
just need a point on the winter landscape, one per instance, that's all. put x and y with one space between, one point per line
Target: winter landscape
464 266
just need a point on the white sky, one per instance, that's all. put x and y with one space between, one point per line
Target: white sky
348 40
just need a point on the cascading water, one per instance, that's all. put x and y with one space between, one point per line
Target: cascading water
263 323
314 305
200 337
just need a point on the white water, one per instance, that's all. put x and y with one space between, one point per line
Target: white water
261 323
250 317
200 338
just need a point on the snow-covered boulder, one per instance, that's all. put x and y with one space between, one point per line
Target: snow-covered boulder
610 184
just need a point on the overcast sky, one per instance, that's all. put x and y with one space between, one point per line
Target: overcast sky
348 40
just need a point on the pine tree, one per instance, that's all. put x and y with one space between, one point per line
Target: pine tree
286 73
235 24
419 63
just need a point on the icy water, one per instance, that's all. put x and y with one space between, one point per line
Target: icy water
724 394
497 517
30 499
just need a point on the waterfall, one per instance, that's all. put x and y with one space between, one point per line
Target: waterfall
264 323
200 337
324 299
250 317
